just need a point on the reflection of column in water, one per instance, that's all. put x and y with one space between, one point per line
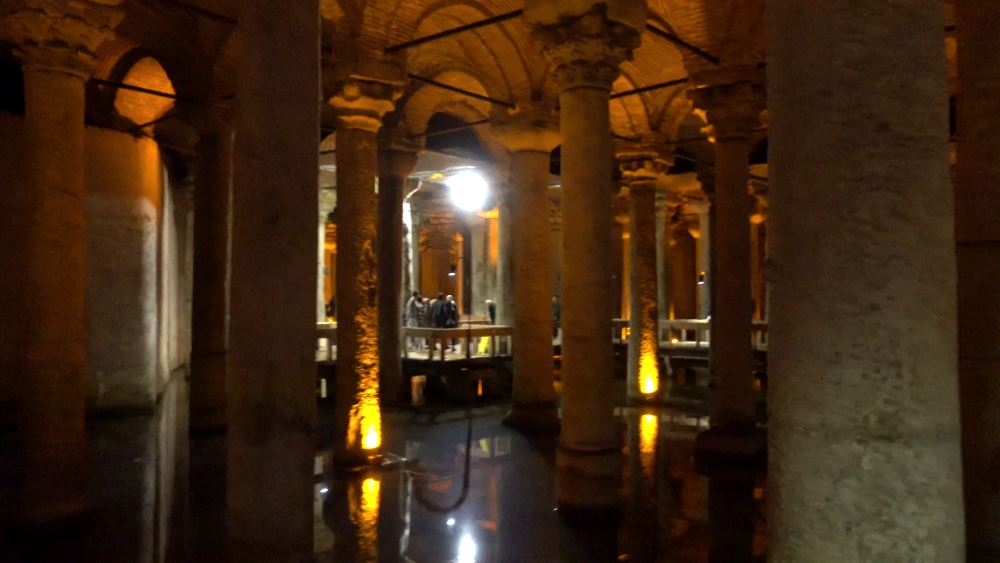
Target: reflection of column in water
351 510
731 515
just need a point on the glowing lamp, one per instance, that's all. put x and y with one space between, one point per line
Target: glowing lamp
467 189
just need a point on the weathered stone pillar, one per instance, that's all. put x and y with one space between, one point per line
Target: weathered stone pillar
213 196
641 168
682 270
437 245
663 212
324 220
271 389
395 162
585 44
977 200
505 247
758 253
530 135
360 105
703 254
864 417
733 110
56 43
616 266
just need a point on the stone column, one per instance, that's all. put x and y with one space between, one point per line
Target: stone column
733 109
360 105
663 212
977 199
56 43
703 253
758 253
213 196
395 162
864 415
530 134
505 246
585 44
641 168
682 270
616 267
437 242
327 205
271 388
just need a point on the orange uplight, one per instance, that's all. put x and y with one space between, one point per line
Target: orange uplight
363 506
649 426
479 388
365 418
649 378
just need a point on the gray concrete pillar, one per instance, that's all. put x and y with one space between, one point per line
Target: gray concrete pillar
864 460
585 45
271 388
57 44
977 202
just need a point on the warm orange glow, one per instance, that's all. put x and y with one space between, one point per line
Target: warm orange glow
649 426
674 341
372 437
649 377
363 507
479 388
364 429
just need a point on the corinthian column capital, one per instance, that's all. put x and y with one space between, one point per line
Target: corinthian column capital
586 48
60 36
732 100
643 163
361 100
527 128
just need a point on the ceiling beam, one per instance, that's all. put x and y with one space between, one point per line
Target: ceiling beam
453 31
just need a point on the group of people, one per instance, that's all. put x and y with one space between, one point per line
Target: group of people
440 312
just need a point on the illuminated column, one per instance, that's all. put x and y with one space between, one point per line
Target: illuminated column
733 110
213 197
271 391
360 105
395 163
327 203
56 43
530 135
585 44
758 253
864 460
616 266
977 199
641 167
703 250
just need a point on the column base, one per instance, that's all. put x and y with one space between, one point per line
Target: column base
588 485
533 419
351 461
731 451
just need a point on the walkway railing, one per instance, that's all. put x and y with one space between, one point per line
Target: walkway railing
326 338
687 333
472 340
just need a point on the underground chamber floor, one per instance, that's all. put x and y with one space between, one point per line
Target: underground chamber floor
159 495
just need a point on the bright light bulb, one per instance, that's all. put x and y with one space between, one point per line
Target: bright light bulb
468 190
450 522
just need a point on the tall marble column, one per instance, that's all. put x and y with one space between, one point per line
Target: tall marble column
864 415
641 168
395 162
56 43
213 196
977 201
732 108
585 44
271 388
360 105
530 134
